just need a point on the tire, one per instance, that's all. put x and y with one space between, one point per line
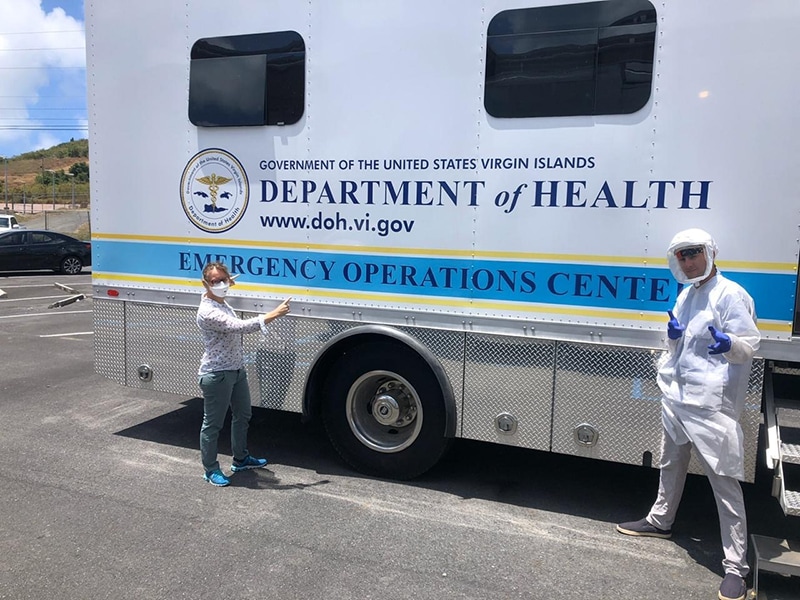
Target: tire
384 411
71 265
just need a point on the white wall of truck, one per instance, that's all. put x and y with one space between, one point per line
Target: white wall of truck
521 259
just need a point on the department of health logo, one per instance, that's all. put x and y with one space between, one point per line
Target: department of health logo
214 190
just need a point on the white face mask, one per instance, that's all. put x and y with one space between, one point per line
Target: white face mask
220 289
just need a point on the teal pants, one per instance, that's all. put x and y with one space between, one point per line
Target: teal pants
223 390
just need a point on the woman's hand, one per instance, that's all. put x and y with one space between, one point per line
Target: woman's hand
279 311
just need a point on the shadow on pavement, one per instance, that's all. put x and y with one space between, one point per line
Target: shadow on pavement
597 490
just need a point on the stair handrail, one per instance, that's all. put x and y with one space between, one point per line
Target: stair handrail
773 449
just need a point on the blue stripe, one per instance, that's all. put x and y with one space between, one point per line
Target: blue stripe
565 284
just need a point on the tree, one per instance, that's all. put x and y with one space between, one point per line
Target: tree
46 177
80 171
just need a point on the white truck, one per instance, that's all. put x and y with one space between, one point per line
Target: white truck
8 222
469 203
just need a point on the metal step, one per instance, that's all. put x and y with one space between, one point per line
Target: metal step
790 453
776 556
788 414
786 369
791 503
782 421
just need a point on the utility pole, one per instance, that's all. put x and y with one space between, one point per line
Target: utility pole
72 181
53 175
5 187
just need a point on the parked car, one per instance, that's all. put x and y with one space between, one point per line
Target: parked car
31 249
8 222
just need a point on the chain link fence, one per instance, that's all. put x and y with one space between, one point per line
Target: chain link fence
72 222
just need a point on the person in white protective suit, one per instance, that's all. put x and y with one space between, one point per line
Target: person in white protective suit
712 335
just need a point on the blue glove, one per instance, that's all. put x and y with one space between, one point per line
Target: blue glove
674 328
723 342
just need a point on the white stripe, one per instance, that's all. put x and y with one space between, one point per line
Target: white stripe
67 334
43 284
35 298
66 312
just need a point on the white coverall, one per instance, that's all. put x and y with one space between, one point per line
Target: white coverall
703 396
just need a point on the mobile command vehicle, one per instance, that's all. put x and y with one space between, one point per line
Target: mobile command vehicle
468 202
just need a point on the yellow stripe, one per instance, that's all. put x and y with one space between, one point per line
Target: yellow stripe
524 256
777 326
749 265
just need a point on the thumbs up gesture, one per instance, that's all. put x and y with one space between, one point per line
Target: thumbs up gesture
722 342
674 328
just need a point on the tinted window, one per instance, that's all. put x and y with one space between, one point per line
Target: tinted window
256 79
40 238
11 239
594 58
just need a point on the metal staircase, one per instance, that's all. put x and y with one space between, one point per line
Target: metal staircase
782 419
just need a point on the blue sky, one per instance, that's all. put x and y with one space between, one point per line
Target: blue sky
42 74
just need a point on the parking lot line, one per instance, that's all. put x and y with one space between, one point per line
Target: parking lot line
67 334
42 284
35 298
67 312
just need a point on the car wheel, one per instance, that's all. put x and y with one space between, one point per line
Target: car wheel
384 411
71 265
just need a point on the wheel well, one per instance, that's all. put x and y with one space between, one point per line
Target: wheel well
350 341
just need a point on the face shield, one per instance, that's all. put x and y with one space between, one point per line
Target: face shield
686 240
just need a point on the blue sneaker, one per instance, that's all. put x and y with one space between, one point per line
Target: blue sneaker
248 463
217 478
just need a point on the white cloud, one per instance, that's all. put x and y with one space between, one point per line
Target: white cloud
42 76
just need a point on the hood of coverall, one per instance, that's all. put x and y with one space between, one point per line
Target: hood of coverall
688 239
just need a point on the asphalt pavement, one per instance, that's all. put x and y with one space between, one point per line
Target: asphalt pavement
102 496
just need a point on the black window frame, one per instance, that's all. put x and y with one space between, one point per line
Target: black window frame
586 59
247 80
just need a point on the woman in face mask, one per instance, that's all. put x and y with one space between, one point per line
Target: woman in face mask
222 376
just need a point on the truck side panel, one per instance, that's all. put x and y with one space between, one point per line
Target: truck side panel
397 192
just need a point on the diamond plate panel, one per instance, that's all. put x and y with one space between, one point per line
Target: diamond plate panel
166 339
279 363
614 390
448 348
752 418
508 375
109 339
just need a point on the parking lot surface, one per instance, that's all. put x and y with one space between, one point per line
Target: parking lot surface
102 496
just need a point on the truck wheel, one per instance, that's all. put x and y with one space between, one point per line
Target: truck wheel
384 411
71 265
